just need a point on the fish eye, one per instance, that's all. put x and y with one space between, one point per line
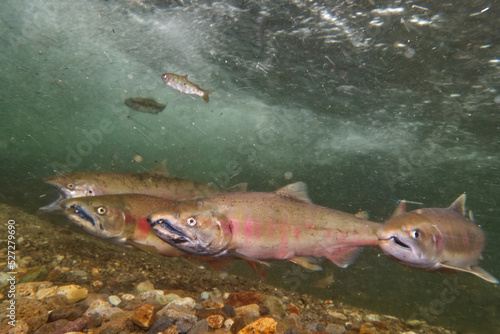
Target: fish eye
191 221
415 234
70 186
101 210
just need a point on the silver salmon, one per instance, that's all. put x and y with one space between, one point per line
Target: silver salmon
435 239
284 225
183 85
157 182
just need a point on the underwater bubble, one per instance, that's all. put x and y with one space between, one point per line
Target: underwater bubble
138 158
410 53
497 99
288 175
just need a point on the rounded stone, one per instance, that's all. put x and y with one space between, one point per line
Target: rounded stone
73 292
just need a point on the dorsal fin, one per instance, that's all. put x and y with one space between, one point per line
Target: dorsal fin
297 190
160 169
459 205
400 209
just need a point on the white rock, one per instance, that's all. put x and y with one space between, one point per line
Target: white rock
114 300
187 302
101 307
144 286
373 317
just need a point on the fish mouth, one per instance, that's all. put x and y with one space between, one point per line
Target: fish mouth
56 205
400 243
163 226
80 212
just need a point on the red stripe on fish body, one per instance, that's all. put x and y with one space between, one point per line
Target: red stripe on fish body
269 226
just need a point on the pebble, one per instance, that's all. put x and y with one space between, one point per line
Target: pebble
187 302
177 312
335 329
229 311
144 286
128 296
261 326
144 316
413 324
102 308
372 317
114 300
52 326
228 323
160 325
73 292
251 310
46 292
237 299
71 312
275 306
215 321
32 312
205 295
200 327
293 309
337 315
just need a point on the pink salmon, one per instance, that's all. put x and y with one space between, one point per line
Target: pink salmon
284 225
435 239
183 85
155 183
121 218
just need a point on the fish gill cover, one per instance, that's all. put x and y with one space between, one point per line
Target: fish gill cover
367 102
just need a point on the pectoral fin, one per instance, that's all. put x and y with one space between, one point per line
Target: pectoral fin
345 257
478 271
145 248
310 263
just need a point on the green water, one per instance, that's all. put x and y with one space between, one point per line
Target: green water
366 102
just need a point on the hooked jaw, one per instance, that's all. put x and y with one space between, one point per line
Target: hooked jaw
165 230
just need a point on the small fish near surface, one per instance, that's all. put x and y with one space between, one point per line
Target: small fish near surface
148 106
183 85
435 239
157 182
120 218
258 226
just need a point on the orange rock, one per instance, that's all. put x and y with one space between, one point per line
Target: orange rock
215 321
237 299
171 330
293 309
144 316
365 330
261 326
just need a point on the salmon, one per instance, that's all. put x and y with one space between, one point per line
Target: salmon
183 85
435 239
157 182
121 219
144 105
283 225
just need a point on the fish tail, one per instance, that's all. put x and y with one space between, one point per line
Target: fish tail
204 96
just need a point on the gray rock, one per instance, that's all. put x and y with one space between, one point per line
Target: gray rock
160 325
200 327
335 329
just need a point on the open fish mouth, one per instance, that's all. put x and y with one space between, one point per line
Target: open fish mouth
77 210
162 226
56 205
400 243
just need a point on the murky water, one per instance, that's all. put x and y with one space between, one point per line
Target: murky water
367 102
